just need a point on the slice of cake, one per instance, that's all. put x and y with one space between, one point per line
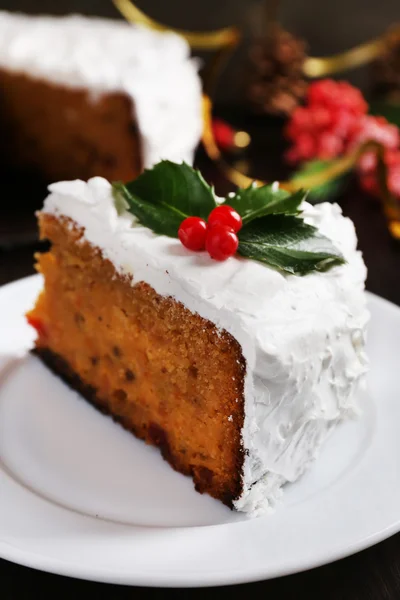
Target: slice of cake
85 96
238 369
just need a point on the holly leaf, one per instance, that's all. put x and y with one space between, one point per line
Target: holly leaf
256 202
325 191
162 197
273 231
288 244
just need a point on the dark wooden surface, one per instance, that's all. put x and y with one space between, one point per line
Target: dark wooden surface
370 575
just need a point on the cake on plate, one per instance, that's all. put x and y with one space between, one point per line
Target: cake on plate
236 369
105 97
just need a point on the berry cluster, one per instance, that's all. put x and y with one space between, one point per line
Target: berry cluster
380 130
335 122
327 125
217 236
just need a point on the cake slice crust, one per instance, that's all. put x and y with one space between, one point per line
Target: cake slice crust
166 374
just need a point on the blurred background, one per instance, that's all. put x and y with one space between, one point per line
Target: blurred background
327 27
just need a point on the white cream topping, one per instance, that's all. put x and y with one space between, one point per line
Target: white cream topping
302 337
152 68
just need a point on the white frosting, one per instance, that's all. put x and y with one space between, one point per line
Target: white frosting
302 337
154 70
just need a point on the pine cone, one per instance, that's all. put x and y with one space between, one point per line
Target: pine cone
386 70
275 80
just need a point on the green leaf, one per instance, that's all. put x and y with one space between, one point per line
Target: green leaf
272 233
288 244
325 191
255 202
162 197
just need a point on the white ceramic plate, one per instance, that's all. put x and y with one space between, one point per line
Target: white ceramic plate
80 496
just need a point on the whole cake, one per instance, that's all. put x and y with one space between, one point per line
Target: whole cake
85 96
236 369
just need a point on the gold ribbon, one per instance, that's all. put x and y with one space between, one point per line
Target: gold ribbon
230 36
202 40
350 59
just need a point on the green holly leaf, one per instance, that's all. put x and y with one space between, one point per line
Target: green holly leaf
256 202
162 197
287 243
324 192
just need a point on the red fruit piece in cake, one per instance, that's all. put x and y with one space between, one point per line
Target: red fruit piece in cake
37 324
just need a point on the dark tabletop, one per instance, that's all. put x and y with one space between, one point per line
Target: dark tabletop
370 575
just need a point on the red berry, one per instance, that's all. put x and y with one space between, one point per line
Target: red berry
392 158
379 130
329 146
345 123
367 162
367 170
394 181
306 145
192 233
221 242
302 118
224 134
321 117
225 215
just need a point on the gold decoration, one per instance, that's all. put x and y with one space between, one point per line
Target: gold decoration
212 150
203 40
313 66
241 139
350 59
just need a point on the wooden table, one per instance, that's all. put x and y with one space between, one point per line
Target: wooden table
370 575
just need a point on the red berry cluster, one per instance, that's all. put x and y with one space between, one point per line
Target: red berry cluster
335 122
217 236
326 126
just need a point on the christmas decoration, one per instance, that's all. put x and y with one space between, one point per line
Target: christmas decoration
275 79
227 138
262 223
334 123
326 127
329 141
